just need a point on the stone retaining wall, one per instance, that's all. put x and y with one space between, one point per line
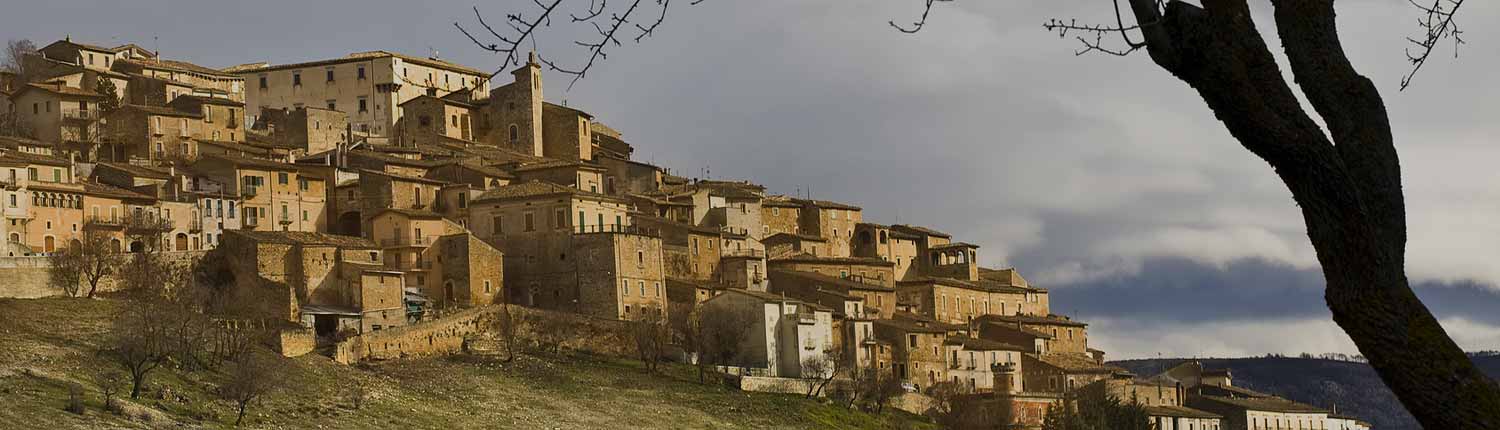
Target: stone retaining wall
447 335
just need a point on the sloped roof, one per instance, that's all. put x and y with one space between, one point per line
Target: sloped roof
1178 411
803 257
535 188
181 66
788 236
953 245
1032 319
1268 404
162 111
847 284
411 213
59 89
305 238
207 100
913 323
977 344
919 230
828 204
138 171
1075 363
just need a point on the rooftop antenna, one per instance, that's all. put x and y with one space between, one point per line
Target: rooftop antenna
156 45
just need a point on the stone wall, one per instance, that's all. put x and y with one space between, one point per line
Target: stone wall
27 277
296 342
448 335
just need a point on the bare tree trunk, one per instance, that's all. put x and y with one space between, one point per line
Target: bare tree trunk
1349 188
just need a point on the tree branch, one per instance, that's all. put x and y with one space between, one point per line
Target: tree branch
1438 23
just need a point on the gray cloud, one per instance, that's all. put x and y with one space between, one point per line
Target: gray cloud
1076 169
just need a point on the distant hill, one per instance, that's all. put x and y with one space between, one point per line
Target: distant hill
1353 387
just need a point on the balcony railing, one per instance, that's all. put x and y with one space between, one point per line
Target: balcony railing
195 225
753 253
409 241
251 221
103 221
609 228
249 190
81 114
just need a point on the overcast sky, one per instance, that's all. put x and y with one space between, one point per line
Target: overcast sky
1101 178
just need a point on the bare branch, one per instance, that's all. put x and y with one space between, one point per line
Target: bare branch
606 20
511 46
1437 22
921 22
1099 30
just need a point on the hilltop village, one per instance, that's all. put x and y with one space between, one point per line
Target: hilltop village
379 192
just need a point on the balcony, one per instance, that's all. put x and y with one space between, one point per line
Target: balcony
195 225
102 222
81 114
409 241
249 190
752 253
251 221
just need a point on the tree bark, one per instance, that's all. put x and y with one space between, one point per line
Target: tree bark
1346 182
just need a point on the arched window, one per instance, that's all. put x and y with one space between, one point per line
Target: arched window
515 134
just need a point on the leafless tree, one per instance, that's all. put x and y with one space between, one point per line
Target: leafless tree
549 329
84 265
820 370
724 332
252 378
505 327
686 320
139 342
15 51
651 335
1346 177
108 380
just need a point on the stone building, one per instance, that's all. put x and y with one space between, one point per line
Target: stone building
326 282
369 86
439 258
918 345
832 221
312 129
1063 334
1059 372
876 300
883 242
780 245
57 112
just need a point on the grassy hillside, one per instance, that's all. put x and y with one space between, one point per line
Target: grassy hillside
1354 387
47 343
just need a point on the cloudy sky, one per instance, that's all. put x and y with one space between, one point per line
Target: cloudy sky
1101 178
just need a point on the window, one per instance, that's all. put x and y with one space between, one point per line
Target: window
499 224
329 72
642 286
363 103
640 257
302 184
530 223
281 178
463 200
486 282
304 215
296 78
624 288
658 289
333 105
208 114
360 74
911 341
515 134
560 219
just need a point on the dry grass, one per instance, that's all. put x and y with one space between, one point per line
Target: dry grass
47 343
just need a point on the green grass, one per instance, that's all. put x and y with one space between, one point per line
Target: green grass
55 340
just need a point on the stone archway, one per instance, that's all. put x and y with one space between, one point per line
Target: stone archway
181 241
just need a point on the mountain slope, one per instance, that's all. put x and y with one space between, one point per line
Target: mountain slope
1353 387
